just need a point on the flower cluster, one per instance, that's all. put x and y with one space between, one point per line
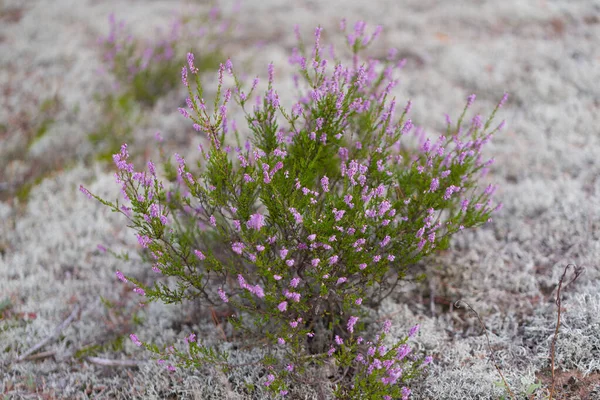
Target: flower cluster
136 65
378 366
292 229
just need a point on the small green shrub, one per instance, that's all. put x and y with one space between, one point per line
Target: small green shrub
298 230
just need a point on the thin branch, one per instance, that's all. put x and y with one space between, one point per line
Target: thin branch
114 363
38 356
53 336
457 304
577 271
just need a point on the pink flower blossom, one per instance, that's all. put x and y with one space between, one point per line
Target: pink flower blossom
282 306
413 331
121 277
270 379
256 222
238 247
351 322
223 296
199 254
135 340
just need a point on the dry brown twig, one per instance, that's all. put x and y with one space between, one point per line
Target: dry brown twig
577 271
52 336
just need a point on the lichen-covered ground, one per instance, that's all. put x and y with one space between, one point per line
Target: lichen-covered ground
545 53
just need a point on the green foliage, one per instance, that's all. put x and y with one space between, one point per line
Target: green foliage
120 117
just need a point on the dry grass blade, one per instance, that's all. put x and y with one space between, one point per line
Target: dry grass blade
457 304
114 363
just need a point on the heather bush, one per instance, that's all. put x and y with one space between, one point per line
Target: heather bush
300 231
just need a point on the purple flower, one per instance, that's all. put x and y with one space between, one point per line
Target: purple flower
413 331
139 291
451 189
387 325
223 296
351 322
184 73
385 241
256 222
504 98
121 277
238 247
283 253
282 306
199 254
325 183
403 351
435 184
143 240
85 191
470 100
281 341
190 60
405 393
257 290
294 282
464 204
338 340
339 214
135 340
229 66
270 379
341 280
